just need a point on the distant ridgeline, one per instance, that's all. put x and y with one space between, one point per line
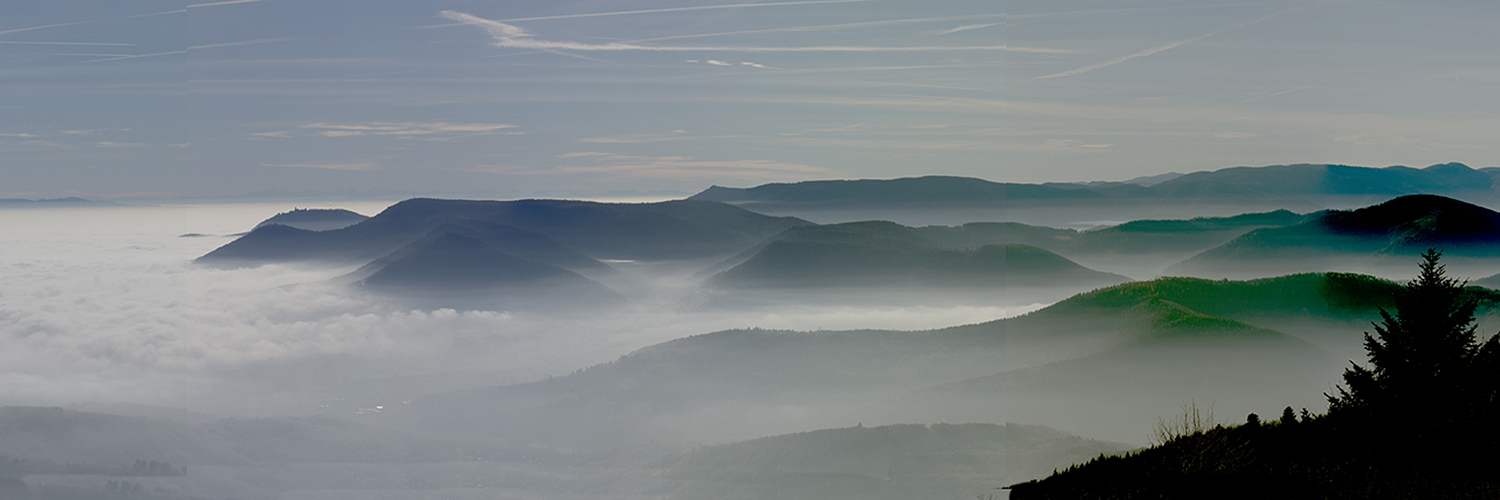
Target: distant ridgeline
528 247
71 201
1237 184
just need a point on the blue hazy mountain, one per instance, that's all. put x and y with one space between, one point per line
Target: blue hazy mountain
648 231
1270 183
1205 334
71 201
315 219
1401 227
886 254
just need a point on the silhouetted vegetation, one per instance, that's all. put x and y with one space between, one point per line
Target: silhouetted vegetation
1417 423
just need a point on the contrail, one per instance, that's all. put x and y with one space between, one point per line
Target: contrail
237 44
66 43
822 27
1274 94
510 36
1169 46
75 23
138 56
226 2
671 9
967 28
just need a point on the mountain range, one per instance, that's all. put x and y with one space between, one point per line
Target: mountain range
1280 183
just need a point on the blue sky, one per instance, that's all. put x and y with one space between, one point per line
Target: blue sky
513 98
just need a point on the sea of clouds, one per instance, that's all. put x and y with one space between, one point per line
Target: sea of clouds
105 305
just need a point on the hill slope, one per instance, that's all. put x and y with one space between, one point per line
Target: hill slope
743 383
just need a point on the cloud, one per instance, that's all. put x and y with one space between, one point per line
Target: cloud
349 167
437 131
113 310
1236 135
967 28
10 42
92 21
238 44
715 62
680 167
675 135
1386 139
1166 47
680 9
137 56
509 36
830 27
226 2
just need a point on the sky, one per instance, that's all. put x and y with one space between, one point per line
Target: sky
150 99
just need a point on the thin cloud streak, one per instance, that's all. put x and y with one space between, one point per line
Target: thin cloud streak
138 56
228 2
1168 46
968 28
823 27
510 36
7 42
75 23
238 44
672 9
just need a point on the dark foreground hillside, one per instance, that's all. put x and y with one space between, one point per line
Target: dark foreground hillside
1314 458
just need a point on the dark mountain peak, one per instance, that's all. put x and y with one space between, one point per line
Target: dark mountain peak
1420 219
315 219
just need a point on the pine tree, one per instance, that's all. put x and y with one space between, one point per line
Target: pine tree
1429 374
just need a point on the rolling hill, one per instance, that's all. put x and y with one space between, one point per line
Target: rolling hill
744 383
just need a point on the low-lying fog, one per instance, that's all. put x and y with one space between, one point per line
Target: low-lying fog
104 305
103 310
